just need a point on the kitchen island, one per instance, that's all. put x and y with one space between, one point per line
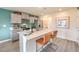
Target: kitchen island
27 43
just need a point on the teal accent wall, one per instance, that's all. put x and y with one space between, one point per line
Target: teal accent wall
5 19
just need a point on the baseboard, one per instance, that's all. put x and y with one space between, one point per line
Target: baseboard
5 40
61 37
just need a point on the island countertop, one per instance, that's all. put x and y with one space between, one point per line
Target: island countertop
38 33
30 40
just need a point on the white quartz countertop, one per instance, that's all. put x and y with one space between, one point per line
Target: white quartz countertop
28 43
36 34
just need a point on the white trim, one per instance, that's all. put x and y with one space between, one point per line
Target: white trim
5 40
62 37
68 39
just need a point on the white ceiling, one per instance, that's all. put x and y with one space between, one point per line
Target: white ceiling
38 10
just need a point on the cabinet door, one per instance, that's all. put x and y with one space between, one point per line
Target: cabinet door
16 18
31 19
25 16
15 35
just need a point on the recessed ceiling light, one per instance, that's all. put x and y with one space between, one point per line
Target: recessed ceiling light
60 9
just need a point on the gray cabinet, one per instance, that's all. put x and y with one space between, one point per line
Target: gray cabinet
15 18
25 16
15 35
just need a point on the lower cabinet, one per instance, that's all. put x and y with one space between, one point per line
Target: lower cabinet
15 35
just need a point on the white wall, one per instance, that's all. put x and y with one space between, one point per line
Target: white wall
48 21
71 33
67 33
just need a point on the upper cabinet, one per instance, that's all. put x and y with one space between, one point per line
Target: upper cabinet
16 18
32 19
25 16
